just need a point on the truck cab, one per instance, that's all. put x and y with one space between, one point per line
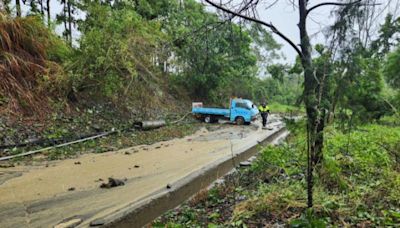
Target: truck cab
242 111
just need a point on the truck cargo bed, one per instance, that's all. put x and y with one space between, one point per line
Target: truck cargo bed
211 111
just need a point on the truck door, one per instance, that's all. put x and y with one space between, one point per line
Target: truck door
240 108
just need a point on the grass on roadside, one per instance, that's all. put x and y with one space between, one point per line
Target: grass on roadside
287 109
358 184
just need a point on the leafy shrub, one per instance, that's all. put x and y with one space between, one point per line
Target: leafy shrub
117 61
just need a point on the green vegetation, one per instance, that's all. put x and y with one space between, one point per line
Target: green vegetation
146 59
282 108
145 55
358 184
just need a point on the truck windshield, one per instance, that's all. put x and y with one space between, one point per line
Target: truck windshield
249 105
246 105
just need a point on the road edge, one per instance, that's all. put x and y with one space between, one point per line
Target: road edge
146 210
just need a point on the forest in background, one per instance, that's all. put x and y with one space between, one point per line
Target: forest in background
150 54
138 56
134 56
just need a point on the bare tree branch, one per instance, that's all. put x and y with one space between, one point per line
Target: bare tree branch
270 5
339 4
332 4
269 25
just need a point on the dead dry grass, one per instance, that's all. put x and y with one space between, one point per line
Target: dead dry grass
25 68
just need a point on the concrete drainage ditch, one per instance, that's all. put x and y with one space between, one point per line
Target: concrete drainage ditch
149 208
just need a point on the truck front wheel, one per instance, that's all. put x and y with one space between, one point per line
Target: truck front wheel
240 120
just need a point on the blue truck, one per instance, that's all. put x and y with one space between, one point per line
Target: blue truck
240 111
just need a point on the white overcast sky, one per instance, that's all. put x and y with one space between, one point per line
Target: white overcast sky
284 16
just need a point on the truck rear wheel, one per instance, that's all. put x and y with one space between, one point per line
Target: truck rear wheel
208 119
240 120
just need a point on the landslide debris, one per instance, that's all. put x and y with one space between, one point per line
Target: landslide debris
113 182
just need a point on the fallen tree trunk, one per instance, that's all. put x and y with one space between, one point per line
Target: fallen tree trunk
147 125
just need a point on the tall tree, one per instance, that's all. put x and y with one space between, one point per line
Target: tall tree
18 7
313 87
358 56
48 13
70 20
66 17
36 6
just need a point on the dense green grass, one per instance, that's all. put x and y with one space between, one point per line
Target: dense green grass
282 108
358 184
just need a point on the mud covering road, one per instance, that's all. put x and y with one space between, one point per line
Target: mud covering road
69 190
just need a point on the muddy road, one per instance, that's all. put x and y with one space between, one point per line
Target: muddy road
69 190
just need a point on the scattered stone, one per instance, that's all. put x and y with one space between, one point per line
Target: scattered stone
168 186
38 125
71 189
32 140
245 163
219 181
111 148
97 222
8 141
252 158
136 166
127 153
112 182
96 127
98 180
77 163
157 147
69 224
135 151
240 198
145 148
7 165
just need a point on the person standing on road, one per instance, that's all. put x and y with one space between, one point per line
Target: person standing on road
264 110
